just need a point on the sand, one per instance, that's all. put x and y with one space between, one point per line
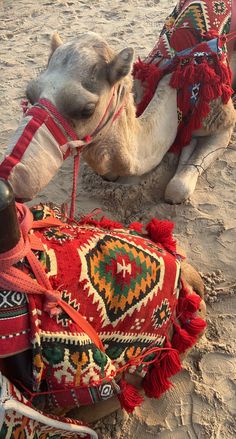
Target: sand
203 402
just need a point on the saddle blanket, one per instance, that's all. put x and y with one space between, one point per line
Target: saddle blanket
192 47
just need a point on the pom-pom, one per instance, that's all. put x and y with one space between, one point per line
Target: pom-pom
181 340
195 326
161 232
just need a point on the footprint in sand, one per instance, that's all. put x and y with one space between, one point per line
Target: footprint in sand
219 373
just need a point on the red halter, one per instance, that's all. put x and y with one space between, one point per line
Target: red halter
110 115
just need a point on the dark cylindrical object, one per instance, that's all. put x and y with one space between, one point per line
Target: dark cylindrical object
9 225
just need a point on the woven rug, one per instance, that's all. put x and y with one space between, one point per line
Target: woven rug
126 284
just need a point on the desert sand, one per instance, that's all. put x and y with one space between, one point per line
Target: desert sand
202 403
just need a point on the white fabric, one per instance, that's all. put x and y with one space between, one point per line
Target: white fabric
9 404
40 162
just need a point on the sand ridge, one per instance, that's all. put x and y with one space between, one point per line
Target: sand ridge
203 403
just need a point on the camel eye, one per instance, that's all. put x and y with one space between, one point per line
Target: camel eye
94 73
88 110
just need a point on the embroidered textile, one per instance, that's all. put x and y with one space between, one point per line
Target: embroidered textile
124 289
18 420
126 286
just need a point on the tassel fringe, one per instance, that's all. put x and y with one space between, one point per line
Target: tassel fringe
210 71
155 383
161 232
129 397
186 333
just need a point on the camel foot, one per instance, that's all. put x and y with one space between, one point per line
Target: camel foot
180 189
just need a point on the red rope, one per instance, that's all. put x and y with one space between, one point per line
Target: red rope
74 187
11 278
135 361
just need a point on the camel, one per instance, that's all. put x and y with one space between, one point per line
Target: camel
102 101
91 87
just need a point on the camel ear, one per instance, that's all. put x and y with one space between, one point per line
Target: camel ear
56 41
120 66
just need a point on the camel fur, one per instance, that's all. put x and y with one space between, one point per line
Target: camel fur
79 81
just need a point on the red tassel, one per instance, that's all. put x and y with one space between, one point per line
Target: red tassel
226 93
203 109
155 382
104 223
195 326
137 227
181 340
192 302
177 78
187 306
149 75
129 397
189 73
185 135
208 92
161 232
170 362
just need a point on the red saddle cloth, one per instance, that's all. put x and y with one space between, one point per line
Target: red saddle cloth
127 288
192 48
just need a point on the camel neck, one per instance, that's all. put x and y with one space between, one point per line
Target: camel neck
150 136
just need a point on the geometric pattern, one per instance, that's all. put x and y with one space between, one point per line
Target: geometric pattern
10 299
63 318
21 421
57 235
219 7
191 18
116 280
161 314
14 322
194 16
191 25
121 276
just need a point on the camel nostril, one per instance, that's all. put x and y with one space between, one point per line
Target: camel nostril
110 177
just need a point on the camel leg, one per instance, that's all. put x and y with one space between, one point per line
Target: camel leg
207 150
192 277
98 411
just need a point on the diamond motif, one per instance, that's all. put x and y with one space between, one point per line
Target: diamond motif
122 276
161 314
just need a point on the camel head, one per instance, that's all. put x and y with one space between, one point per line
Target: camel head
80 79
74 101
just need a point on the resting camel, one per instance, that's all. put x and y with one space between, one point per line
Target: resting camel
106 313
91 87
